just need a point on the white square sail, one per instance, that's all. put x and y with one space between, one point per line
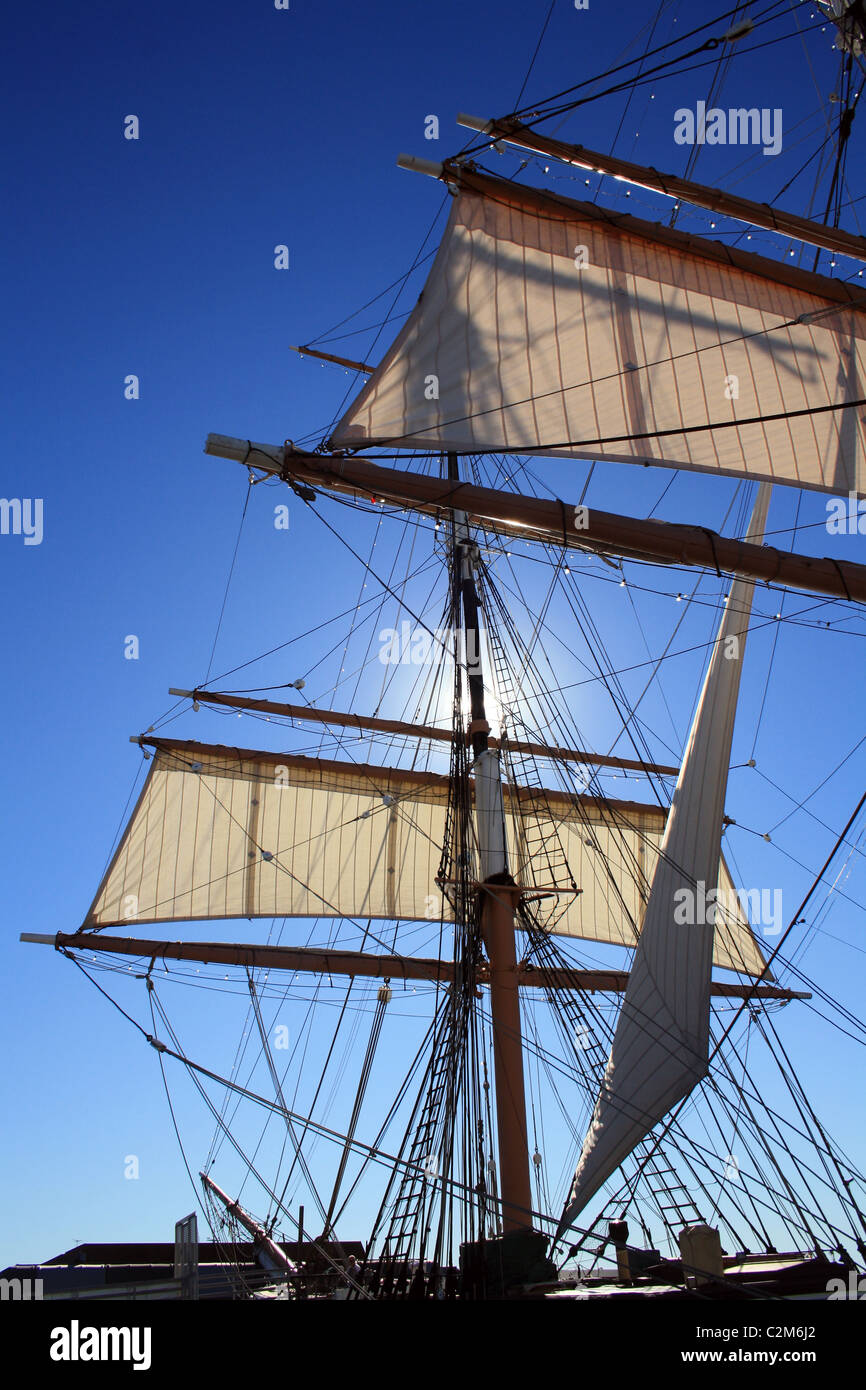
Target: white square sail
557 326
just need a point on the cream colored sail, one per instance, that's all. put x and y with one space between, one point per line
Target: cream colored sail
661 1044
221 832
556 326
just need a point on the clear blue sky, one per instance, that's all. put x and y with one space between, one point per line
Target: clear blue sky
155 257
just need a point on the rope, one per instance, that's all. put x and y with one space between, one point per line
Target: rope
231 572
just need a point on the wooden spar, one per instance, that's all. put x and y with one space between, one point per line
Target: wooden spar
552 522
261 1238
330 357
369 778
427 731
699 195
304 959
321 961
615 981
554 207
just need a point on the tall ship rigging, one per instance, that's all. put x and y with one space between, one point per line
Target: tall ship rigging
585 985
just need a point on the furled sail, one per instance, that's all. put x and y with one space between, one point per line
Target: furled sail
558 326
661 1044
227 832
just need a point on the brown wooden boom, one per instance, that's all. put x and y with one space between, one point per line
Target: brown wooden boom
331 357
327 961
513 132
429 731
552 522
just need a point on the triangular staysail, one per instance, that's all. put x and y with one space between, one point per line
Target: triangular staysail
661 1044
557 326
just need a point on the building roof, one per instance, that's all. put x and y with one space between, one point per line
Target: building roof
209 1252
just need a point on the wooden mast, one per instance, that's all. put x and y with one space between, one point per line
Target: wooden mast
498 898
